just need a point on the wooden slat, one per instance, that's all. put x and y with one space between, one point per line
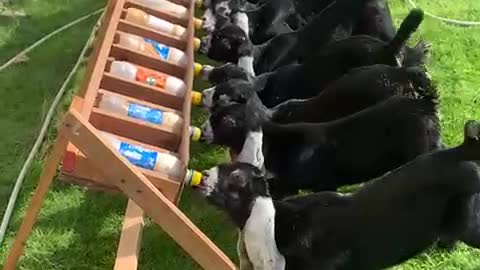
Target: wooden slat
130 239
142 59
184 149
139 30
162 136
95 76
107 24
85 171
136 186
158 13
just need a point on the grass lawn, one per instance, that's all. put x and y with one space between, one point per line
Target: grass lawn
80 230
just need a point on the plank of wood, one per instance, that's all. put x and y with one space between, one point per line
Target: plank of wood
85 171
139 30
157 135
136 57
157 13
94 75
101 31
184 148
46 178
130 239
137 187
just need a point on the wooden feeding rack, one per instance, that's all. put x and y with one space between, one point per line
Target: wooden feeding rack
89 159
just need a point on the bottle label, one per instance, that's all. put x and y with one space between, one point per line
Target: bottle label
151 77
138 155
145 113
161 49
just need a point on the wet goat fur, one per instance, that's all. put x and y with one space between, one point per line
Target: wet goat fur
356 90
350 150
383 223
334 23
300 81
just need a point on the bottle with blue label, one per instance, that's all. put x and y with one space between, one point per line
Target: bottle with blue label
118 105
153 48
153 160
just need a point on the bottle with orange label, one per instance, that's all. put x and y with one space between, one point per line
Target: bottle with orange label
151 77
154 48
118 105
141 17
153 160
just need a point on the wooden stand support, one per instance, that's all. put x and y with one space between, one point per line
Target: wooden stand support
89 159
129 245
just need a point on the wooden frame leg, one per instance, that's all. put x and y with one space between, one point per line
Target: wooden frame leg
131 238
137 187
31 215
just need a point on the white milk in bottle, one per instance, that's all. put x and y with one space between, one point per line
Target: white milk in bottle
118 105
141 17
166 6
153 160
151 77
153 48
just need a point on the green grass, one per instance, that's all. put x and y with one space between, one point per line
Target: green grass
80 230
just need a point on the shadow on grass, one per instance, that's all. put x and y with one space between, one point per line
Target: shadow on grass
160 252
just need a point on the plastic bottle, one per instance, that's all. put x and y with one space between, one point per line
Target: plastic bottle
138 16
118 105
153 48
193 178
141 17
166 6
152 160
151 77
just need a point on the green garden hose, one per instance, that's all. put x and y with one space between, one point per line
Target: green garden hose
50 114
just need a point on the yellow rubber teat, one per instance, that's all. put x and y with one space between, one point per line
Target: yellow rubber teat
196 98
197 23
193 178
199 3
196 44
195 133
197 69
196 178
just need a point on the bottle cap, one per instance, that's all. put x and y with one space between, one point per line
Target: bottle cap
195 133
193 178
196 98
197 23
197 69
196 44
199 3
